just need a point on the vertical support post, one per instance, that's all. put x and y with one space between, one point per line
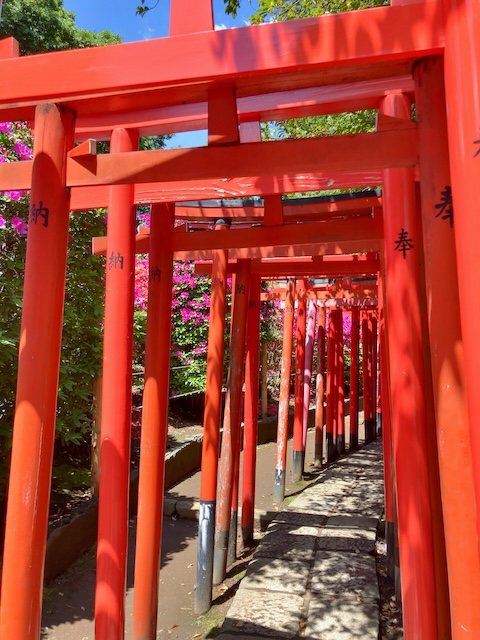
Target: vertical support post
307 379
284 402
37 384
408 405
263 373
330 391
222 129
251 410
447 361
320 389
354 379
117 405
227 495
462 90
373 330
367 389
154 423
298 450
340 386
211 430
388 465
190 16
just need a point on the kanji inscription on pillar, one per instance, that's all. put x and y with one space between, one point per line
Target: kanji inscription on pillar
39 214
477 153
154 273
403 243
115 261
445 205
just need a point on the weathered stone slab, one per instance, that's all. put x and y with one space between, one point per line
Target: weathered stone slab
288 541
345 574
356 505
348 521
271 574
301 518
337 619
343 539
263 614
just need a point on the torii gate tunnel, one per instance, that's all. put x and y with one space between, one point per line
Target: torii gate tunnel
424 233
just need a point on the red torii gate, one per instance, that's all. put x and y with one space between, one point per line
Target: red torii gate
366 45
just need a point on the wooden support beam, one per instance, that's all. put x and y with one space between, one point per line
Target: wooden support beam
85 149
276 268
299 103
329 247
17 176
320 155
371 43
273 210
345 295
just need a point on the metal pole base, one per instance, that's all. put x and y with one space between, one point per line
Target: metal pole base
220 552
353 442
390 540
232 539
279 486
297 468
206 533
318 460
341 445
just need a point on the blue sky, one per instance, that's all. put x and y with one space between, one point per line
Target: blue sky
119 16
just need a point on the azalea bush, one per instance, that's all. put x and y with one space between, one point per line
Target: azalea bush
83 315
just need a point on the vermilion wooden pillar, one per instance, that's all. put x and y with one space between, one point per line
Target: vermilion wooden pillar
454 451
320 389
354 379
154 423
227 503
211 429
462 85
190 16
330 391
222 129
340 439
117 405
307 379
408 406
373 328
251 410
38 367
298 450
388 466
367 391
284 401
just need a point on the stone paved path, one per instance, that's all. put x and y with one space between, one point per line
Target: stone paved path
313 575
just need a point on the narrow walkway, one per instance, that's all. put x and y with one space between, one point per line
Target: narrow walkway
313 575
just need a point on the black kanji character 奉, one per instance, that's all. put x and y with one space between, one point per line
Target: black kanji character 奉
404 243
445 206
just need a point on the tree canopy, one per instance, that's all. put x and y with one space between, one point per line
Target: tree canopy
47 26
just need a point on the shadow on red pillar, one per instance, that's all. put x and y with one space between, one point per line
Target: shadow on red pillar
284 401
38 368
154 424
252 361
117 405
419 593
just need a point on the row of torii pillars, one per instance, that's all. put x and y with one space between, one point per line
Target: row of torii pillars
435 495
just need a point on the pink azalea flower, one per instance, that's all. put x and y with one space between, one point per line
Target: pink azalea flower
20 226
